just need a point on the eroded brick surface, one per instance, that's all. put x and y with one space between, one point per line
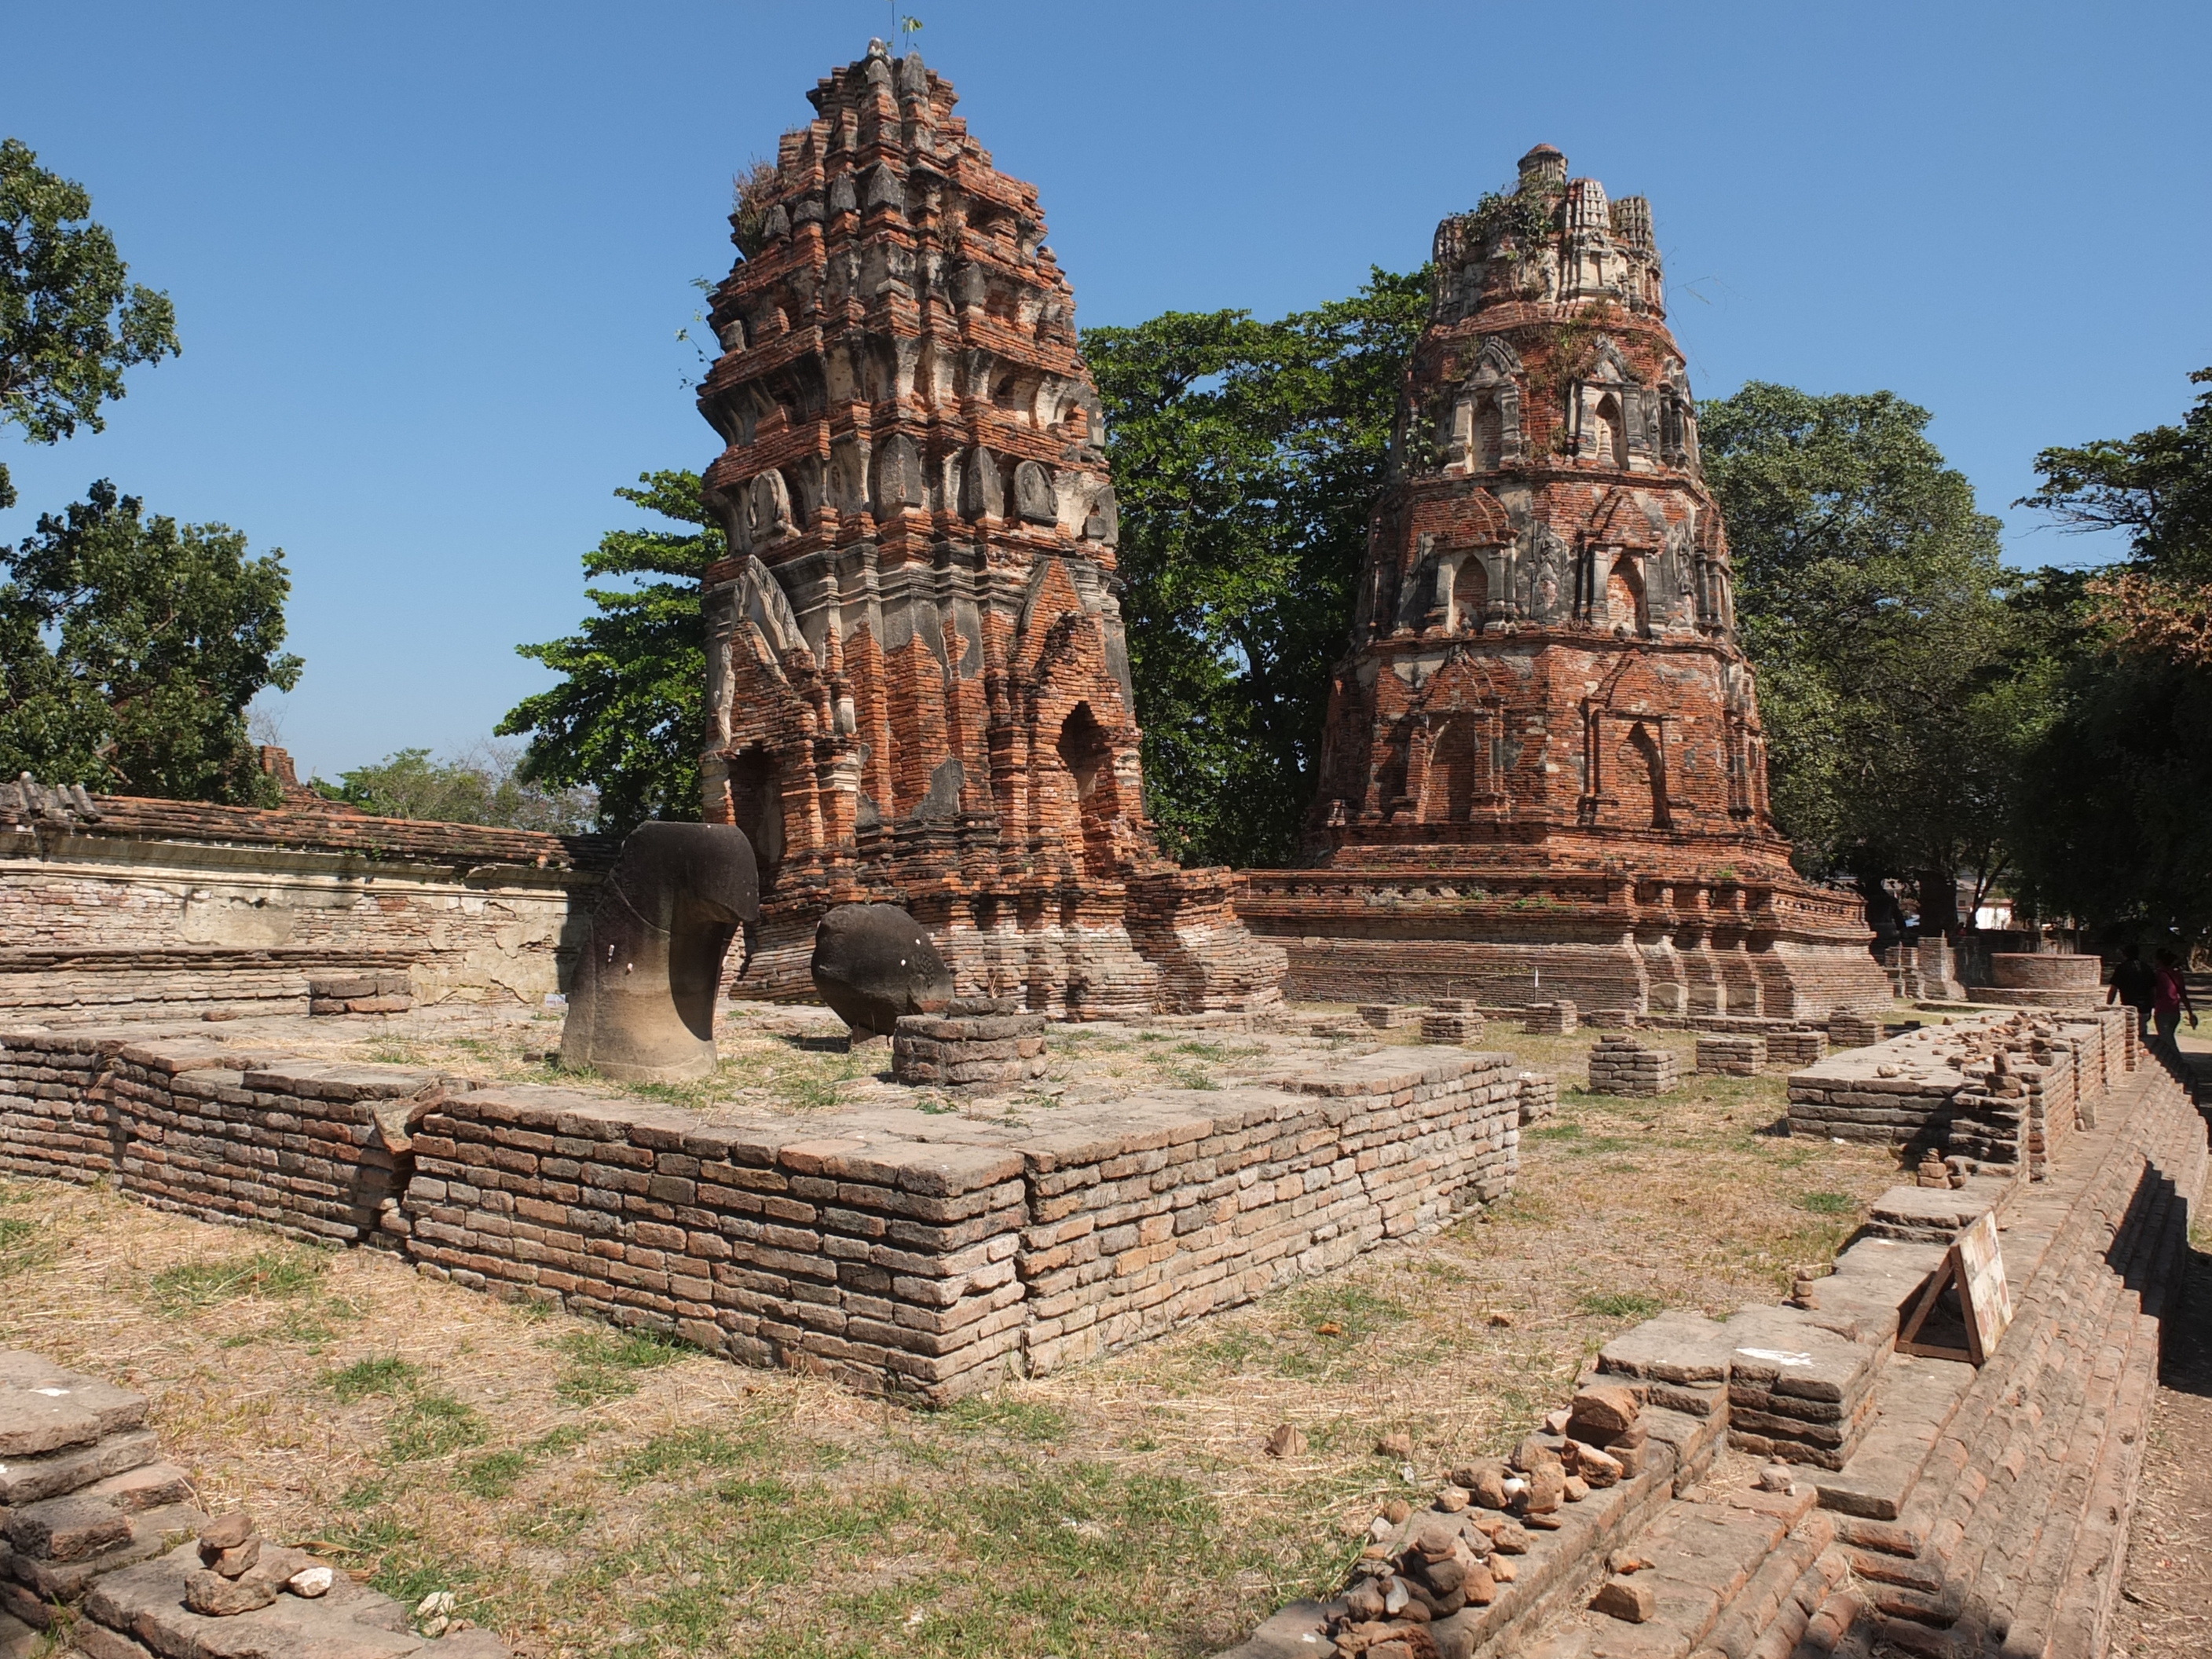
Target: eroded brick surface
1544 770
918 681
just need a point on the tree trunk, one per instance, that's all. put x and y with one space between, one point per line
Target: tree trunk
1939 903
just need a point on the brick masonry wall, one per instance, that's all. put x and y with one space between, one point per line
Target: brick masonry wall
1933 1088
314 1148
901 1251
145 907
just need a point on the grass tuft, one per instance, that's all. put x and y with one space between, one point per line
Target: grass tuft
1829 1203
191 1286
1621 1305
432 1422
385 1374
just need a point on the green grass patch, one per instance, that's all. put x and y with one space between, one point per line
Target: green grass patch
385 1374
603 1364
1828 1203
1621 1305
681 1450
193 1285
431 1424
1017 1419
1555 1131
26 1245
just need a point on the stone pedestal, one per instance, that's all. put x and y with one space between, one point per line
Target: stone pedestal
968 1053
1731 1056
1622 1065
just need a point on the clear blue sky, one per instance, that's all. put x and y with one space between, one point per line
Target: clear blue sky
429 261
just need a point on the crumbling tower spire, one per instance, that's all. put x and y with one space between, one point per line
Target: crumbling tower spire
1544 754
918 682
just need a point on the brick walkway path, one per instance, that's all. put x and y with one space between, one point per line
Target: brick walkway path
2165 1605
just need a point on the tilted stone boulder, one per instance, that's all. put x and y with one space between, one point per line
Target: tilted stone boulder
873 964
642 1007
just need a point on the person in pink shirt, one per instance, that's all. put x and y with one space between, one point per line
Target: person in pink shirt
2168 1002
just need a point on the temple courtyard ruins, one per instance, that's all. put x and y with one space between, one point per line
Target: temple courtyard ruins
1536 1225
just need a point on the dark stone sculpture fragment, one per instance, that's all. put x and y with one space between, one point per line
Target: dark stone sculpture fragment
873 964
643 1008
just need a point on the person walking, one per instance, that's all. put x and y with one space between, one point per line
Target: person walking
2135 985
2169 1002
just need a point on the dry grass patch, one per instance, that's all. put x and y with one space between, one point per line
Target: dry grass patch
588 1492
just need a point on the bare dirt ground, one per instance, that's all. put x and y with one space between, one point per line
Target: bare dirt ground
588 1493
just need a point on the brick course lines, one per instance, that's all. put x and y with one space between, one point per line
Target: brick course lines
899 1250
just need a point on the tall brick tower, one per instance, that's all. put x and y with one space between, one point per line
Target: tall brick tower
1543 772
918 682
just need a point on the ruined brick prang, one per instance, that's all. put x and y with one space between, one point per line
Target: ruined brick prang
1543 765
917 683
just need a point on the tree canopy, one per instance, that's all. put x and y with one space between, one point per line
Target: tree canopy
479 785
1898 685
2112 822
70 320
129 647
626 718
1247 456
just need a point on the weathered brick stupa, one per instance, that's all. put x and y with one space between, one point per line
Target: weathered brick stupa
918 682
1543 774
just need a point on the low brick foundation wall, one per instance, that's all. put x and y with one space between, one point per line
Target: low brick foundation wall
1731 1056
2000 1088
903 1251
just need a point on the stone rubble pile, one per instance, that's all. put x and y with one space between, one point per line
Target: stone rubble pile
82 1492
1622 1065
91 1521
1422 1570
1731 1056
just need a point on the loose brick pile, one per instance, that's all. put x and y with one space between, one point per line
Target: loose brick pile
1389 1016
1731 1056
81 1489
1622 1065
970 1053
359 994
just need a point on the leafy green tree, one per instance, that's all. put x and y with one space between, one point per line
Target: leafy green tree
1899 688
71 322
1247 456
626 719
478 787
129 647
2113 825
2155 488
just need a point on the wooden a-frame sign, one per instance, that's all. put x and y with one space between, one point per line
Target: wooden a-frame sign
1966 1323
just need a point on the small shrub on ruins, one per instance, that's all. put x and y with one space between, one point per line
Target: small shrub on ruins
1621 1305
432 1422
384 1374
191 1286
1829 1203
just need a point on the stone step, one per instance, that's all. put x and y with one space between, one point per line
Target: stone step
1703 1555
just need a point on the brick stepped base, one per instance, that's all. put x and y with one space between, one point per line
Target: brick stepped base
899 1249
1980 1514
